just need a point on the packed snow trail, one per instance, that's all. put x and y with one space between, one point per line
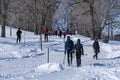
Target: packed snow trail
25 61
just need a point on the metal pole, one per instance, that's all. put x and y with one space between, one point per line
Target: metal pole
48 56
24 37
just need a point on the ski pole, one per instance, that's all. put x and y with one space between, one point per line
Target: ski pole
64 57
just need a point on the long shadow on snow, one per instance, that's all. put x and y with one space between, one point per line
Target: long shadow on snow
36 55
57 50
109 58
102 65
9 43
21 44
52 45
98 64
27 56
8 59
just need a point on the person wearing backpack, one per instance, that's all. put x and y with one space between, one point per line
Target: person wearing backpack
96 48
79 51
69 44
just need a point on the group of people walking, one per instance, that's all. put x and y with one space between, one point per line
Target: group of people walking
70 47
45 32
58 33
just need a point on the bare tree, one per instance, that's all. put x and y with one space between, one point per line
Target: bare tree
95 14
41 12
3 12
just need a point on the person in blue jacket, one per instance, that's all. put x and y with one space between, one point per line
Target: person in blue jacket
69 44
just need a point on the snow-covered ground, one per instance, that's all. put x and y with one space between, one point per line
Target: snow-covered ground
26 61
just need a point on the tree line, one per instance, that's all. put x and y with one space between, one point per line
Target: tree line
92 16
89 17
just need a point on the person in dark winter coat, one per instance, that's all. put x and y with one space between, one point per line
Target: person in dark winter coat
96 48
79 51
18 33
60 33
68 48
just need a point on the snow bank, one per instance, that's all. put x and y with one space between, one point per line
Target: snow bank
49 67
107 48
112 50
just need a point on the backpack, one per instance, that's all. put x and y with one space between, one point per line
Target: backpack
78 47
69 44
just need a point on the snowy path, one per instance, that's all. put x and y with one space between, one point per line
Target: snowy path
20 61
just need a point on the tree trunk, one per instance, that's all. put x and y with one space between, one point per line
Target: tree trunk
92 20
99 33
36 28
3 13
93 34
3 25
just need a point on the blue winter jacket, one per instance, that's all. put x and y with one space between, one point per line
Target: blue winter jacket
69 48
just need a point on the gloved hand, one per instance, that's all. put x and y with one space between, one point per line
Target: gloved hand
98 51
73 51
65 52
82 54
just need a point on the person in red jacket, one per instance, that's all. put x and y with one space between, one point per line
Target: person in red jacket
53 32
45 33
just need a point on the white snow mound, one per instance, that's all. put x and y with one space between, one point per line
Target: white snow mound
49 67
